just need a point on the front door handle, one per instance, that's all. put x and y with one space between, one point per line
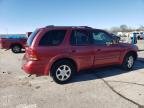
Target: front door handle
73 51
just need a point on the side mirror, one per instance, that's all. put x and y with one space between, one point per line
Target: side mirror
116 40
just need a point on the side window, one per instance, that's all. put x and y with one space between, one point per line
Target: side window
52 38
101 38
80 37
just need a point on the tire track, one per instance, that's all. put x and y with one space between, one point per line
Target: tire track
127 82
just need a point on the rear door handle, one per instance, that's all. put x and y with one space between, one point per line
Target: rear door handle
98 49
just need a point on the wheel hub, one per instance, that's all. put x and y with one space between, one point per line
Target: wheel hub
63 72
130 61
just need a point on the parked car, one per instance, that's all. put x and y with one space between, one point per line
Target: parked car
138 35
141 36
15 43
62 51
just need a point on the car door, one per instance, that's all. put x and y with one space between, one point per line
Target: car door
105 51
81 48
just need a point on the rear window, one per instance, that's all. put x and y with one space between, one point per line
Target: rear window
31 37
52 38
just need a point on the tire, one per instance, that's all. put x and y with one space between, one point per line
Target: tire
16 48
128 62
138 37
62 71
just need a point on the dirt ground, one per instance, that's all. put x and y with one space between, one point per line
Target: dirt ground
108 87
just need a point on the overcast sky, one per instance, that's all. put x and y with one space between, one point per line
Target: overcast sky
20 16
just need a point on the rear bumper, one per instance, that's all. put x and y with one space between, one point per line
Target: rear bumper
34 67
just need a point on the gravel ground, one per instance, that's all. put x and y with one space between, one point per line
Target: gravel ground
108 87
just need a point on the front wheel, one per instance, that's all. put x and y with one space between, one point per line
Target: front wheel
62 71
128 62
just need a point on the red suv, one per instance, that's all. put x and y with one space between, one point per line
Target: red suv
62 51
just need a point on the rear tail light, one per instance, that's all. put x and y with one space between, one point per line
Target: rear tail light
32 55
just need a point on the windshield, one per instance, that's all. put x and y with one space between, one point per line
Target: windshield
31 37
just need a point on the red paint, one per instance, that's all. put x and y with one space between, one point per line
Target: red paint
85 57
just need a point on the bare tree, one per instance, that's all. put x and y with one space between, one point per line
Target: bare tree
115 29
141 28
124 28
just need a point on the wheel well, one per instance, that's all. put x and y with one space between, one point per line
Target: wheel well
64 59
15 44
133 53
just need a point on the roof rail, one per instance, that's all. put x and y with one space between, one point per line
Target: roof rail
70 26
85 26
50 26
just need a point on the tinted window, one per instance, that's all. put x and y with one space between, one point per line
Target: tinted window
53 38
80 37
101 38
31 37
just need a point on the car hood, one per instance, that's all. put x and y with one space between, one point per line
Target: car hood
129 46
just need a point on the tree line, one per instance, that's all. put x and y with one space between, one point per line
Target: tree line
125 28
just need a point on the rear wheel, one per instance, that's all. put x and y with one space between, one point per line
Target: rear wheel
16 48
128 62
62 71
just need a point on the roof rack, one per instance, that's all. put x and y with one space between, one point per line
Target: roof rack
85 27
50 26
70 26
